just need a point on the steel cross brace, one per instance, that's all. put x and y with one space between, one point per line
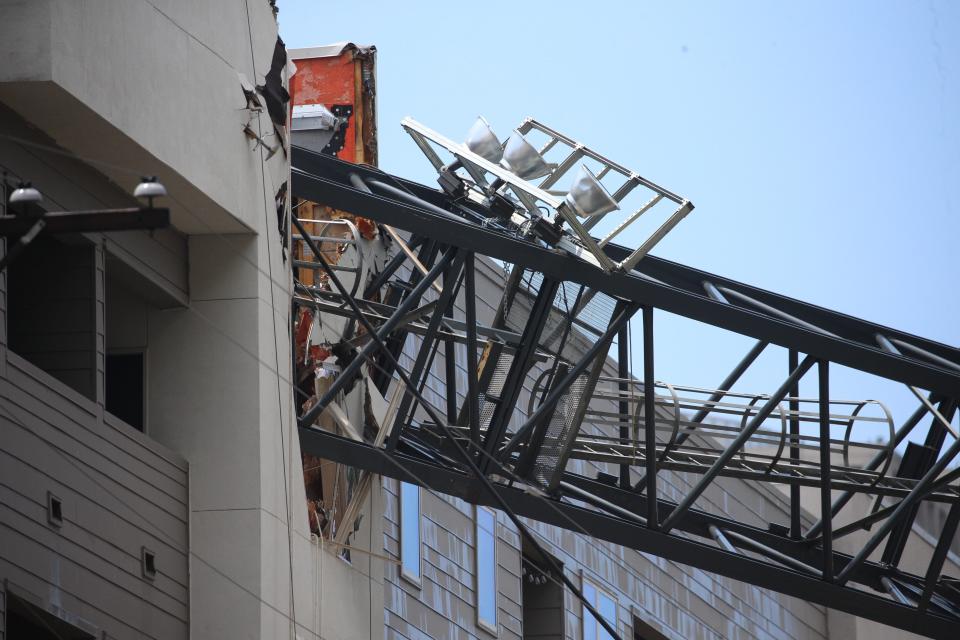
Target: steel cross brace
427 346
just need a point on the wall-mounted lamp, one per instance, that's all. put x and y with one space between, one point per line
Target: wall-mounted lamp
24 194
148 189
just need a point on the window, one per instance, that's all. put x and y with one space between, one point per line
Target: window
410 532
605 604
124 387
487 569
542 596
51 301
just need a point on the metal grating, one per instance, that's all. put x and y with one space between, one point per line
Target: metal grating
551 453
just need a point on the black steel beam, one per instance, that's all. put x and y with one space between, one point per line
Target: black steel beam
623 405
623 532
650 419
89 221
470 313
823 369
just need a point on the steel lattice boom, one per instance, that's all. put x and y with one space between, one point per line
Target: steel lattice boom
538 401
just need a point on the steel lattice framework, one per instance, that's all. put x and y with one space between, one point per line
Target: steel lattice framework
563 307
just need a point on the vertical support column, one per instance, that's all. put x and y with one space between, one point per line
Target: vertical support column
823 375
450 365
99 327
623 408
470 308
793 359
650 418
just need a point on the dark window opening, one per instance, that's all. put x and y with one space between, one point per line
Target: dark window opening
542 598
52 318
127 309
124 395
26 621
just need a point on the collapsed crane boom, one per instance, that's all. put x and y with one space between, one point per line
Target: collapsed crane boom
543 400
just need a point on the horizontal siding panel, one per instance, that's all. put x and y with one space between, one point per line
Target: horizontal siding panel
125 578
445 581
118 438
434 623
92 525
103 450
122 491
76 583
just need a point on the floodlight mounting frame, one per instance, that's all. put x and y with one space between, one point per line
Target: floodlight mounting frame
529 194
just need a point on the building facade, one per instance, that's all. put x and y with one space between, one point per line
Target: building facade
174 520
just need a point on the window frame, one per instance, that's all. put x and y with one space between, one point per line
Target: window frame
415 580
585 615
491 627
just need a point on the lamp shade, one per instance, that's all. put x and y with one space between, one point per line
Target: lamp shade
149 187
522 159
587 197
25 193
483 142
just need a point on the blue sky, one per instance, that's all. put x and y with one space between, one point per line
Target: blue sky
820 142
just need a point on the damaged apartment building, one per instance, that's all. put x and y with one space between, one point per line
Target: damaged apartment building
181 309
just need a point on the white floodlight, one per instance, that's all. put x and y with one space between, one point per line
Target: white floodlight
588 197
482 141
25 194
520 157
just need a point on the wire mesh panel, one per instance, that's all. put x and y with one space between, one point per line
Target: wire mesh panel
552 451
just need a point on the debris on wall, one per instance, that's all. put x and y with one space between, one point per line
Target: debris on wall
334 112
357 249
273 90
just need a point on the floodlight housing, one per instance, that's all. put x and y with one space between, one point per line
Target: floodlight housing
482 141
521 158
588 197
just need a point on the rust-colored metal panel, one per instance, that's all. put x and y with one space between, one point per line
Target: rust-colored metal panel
347 76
